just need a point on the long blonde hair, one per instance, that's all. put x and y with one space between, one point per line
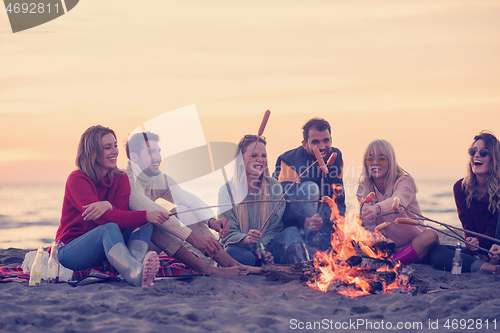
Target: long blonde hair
394 171
248 142
469 183
89 151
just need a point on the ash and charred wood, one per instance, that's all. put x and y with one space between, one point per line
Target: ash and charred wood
387 276
368 263
302 271
375 286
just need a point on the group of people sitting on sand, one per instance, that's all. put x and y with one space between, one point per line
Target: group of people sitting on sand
111 214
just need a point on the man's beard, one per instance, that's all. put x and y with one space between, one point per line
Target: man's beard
325 158
150 173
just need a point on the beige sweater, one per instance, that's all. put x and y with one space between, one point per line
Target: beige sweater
145 190
406 191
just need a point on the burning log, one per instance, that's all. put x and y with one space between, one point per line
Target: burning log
303 272
368 263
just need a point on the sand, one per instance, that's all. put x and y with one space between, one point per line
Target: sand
246 304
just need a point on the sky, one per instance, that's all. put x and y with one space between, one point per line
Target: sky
423 75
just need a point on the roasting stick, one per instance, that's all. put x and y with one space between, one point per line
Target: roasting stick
281 199
262 127
230 204
395 205
452 235
324 172
403 220
450 226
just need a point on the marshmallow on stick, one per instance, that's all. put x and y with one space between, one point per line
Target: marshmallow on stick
320 160
331 159
264 122
369 197
382 226
405 220
395 204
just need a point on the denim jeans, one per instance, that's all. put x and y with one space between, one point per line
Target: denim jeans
92 247
310 191
277 247
497 232
441 257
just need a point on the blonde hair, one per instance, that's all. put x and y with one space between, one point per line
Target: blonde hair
90 150
394 171
469 183
249 142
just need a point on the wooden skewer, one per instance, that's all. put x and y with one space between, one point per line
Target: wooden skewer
452 227
275 207
405 220
262 127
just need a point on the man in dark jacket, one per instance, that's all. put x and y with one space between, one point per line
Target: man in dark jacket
316 230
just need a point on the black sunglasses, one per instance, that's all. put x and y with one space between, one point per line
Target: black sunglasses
483 152
250 137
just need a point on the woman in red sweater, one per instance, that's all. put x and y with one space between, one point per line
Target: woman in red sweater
96 223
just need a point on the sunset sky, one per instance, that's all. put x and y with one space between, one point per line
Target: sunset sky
424 75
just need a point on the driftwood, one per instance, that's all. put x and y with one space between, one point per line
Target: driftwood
303 272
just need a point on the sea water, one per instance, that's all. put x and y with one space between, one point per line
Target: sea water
30 213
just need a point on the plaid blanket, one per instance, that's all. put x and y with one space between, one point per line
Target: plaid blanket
168 267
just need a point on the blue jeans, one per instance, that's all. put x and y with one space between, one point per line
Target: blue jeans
91 248
441 257
277 247
497 232
310 191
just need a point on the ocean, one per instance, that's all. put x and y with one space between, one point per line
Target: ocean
30 214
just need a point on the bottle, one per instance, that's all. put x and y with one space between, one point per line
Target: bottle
263 250
37 269
456 264
53 264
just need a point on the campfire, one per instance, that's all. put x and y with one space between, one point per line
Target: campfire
359 262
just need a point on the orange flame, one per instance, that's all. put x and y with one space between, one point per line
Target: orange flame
348 240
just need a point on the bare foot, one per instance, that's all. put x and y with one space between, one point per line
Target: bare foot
254 270
228 271
492 269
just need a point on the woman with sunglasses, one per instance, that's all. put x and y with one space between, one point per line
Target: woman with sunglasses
96 223
256 234
477 197
383 176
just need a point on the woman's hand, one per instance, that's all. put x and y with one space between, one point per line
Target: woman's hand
96 210
473 241
314 223
252 237
157 217
220 225
268 257
495 254
368 213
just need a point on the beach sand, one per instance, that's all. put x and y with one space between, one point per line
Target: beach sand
245 304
